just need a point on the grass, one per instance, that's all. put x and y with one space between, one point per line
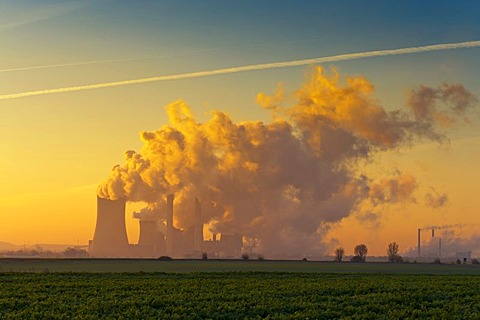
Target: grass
186 266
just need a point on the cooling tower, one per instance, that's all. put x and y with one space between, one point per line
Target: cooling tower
148 232
198 227
110 238
169 239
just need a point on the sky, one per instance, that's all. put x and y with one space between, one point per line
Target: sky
58 148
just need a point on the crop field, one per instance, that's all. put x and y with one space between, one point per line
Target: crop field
223 289
186 266
238 295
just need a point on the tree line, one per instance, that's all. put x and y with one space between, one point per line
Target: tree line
360 253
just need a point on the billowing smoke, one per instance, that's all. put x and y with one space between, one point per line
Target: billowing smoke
154 211
435 199
283 182
447 226
424 103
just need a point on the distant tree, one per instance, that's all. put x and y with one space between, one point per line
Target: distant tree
75 253
475 261
245 256
204 256
360 252
339 253
392 252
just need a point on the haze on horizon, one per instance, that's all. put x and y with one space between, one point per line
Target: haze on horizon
305 158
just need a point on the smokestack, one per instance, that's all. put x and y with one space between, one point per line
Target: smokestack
169 239
433 232
198 227
110 238
214 237
419 242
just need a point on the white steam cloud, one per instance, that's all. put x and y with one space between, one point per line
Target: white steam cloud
273 65
286 181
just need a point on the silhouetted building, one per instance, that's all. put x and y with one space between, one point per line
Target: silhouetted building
110 238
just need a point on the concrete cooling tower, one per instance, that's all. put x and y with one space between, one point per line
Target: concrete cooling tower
148 232
110 238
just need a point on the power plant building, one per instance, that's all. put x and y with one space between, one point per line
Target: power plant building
110 237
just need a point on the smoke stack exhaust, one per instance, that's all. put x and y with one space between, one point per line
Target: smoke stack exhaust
169 240
419 230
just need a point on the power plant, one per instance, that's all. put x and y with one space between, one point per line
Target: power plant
433 236
110 237
434 250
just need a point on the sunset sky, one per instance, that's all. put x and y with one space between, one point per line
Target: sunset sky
57 148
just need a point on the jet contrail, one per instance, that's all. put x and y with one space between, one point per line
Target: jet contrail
75 64
263 66
169 55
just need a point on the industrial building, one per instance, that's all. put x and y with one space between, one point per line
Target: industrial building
110 237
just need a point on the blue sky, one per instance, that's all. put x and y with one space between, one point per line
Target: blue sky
186 36
57 142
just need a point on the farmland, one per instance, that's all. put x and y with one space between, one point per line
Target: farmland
238 295
186 266
220 289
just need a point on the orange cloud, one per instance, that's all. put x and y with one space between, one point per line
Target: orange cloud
284 181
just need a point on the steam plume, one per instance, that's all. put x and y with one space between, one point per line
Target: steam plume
446 226
342 57
282 182
436 200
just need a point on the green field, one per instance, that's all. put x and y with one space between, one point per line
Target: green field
182 266
216 289
238 295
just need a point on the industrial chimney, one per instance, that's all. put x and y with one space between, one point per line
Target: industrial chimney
169 240
110 238
198 227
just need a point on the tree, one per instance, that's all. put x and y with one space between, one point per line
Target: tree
392 252
360 252
75 253
339 253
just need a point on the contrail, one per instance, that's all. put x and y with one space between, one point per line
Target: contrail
75 64
263 66
169 55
